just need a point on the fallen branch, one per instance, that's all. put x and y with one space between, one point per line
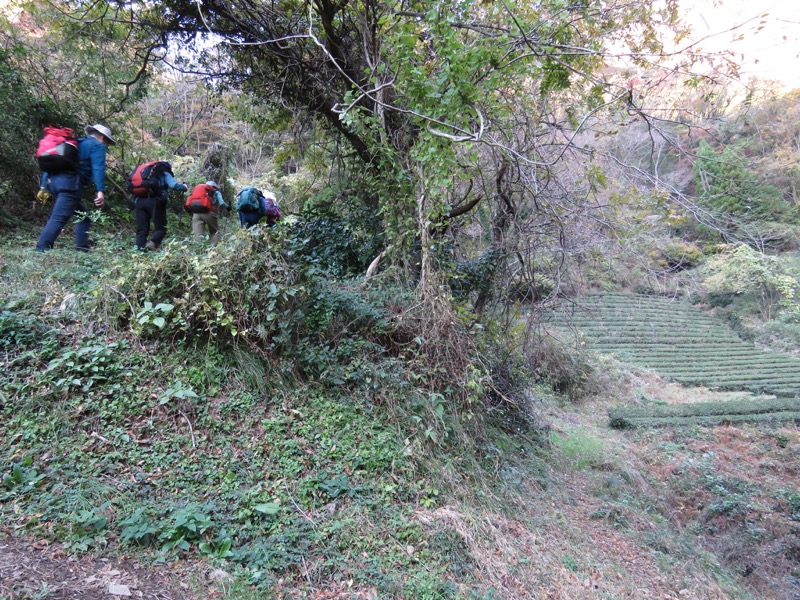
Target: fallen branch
373 266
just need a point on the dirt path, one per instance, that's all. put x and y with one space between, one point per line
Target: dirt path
41 570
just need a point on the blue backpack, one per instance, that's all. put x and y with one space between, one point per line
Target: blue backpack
249 200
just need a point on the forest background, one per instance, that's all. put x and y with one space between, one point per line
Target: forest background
368 401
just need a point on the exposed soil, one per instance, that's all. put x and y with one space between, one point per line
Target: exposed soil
34 570
39 569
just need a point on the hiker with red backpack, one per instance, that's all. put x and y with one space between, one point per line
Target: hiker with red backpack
204 204
68 166
149 184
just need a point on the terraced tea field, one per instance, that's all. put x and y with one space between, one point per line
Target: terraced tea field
680 343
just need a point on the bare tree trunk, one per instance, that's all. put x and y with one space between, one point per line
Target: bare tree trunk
500 226
427 284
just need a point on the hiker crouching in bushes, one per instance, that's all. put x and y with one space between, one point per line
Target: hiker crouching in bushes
68 186
252 204
204 203
149 183
269 206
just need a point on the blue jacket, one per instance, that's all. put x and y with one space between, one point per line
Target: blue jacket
169 182
219 201
92 166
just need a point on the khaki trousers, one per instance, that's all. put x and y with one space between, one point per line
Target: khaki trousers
199 223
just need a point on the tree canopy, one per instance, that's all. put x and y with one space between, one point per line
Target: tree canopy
449 111
458 138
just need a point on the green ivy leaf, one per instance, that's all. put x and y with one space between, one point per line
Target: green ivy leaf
269 508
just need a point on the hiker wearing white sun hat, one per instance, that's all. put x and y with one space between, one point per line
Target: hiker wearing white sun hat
68 188
102 130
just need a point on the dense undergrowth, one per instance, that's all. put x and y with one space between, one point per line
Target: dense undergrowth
238 405
314 435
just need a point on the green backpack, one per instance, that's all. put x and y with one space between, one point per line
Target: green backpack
248 200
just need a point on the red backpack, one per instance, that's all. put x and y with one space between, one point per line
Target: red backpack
201 200
58 150
145 180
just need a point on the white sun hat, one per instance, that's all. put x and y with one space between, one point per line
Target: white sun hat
102 130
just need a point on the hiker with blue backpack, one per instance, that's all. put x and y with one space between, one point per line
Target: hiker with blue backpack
68 166
150 183
253 205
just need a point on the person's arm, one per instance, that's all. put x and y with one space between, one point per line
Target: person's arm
44 194
220 201
172 183
97 159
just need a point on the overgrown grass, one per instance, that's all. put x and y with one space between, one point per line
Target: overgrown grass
358 443
729 487
260 416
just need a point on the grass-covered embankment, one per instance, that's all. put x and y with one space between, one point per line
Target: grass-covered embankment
185 405
313 445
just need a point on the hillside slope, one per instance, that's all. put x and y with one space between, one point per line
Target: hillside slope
193 459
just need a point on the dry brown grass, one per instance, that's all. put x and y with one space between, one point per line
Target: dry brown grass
554 550
739 487
729 491
577 538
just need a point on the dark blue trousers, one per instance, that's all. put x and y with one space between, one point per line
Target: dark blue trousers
68 193
249 220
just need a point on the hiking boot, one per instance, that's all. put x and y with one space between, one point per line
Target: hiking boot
151 246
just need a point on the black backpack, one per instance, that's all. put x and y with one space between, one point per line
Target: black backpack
145 180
